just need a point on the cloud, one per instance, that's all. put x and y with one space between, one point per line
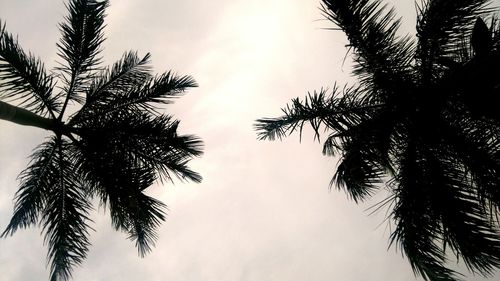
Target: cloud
264 211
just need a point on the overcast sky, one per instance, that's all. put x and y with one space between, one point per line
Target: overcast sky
264 211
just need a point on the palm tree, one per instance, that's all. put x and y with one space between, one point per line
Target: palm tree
422 121
114 146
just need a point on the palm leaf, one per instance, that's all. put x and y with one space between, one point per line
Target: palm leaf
82 35
142 97
417 227
23 78
145 217
155 142
125 75
159 90
65 216
465 221
51 194
121 154
365 158
147 141
476 146
119 183
337 111
381 59
36 180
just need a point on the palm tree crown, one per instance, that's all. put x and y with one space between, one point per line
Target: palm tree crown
113 147
423 120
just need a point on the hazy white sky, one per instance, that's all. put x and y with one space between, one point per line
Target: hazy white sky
263 211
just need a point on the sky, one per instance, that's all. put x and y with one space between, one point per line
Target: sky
264 210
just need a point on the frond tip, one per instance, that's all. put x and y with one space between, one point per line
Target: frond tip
144 221
294 118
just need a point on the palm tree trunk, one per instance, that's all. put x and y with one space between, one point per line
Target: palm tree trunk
24 117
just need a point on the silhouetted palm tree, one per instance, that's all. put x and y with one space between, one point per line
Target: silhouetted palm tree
424 121
113 147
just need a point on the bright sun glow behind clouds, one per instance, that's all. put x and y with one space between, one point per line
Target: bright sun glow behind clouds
243 45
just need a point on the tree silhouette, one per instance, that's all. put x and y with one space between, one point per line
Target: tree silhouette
114 146
422 121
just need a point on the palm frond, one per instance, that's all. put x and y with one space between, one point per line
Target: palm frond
82 35
131 210
124 76
429 176
477 146
379 55
337 111
65 216
145 218
359 127
366 155
159 90
157 144
144 97
51 194
36 180
122 154
119 183
115 182
417 223
358 174
148 141
465 220
23 78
